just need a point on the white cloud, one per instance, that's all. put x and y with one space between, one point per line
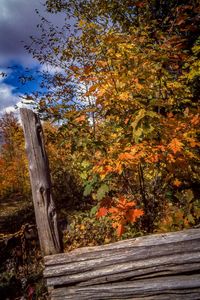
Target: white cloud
18 21
50 69
7 98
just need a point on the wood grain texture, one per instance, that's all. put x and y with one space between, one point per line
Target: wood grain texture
184 287
45 213
160 266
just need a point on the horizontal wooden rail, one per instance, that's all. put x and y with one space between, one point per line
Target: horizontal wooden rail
159 266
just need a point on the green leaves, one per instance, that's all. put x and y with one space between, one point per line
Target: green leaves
88 189
142 123
102 191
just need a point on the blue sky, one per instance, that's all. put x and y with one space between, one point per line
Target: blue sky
18 21
16 73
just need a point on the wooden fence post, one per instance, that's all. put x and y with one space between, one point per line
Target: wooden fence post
45 213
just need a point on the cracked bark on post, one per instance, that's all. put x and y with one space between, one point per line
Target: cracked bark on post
45 212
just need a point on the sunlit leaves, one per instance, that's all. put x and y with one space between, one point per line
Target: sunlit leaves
14 176
175 145
121 214
129 119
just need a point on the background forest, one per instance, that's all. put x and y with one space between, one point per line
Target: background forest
120 117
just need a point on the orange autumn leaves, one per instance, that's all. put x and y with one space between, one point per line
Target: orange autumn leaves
179 142
123 213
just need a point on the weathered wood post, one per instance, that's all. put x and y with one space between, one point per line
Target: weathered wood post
45 213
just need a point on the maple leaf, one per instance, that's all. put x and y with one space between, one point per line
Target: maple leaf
177 182
175 145
133 214
102 212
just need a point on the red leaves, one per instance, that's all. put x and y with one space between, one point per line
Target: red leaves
123 213
133 214
140 4
102 212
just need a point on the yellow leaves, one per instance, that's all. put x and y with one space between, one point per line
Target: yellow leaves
178 218
103 90
106 167
82 227
137 85
192 155
140 115
175 145
124 96
82 23
118 55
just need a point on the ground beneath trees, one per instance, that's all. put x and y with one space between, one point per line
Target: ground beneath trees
20 258
14 212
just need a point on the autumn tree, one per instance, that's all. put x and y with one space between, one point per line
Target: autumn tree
14 177
127 97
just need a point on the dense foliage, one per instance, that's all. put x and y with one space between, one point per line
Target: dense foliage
124 103
14 176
